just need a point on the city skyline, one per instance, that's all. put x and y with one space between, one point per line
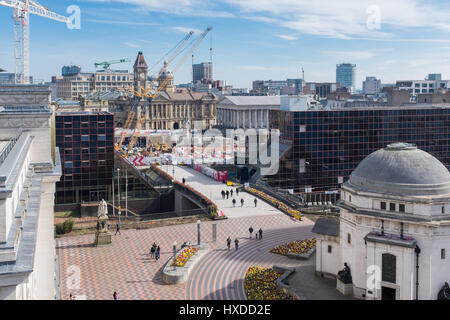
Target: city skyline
261 39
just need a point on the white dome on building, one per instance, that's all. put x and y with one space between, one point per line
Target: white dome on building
401 169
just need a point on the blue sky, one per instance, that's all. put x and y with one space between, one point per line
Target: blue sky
252 39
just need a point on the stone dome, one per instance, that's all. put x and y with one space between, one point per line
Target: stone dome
401 169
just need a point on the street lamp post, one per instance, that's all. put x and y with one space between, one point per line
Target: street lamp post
198 232
118 190
126 193
174 253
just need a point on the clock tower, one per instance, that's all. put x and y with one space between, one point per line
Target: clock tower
140 72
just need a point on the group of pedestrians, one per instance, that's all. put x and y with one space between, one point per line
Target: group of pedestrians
258 235
236 243
155 251
229 193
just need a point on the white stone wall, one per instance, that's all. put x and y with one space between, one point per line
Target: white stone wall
327 263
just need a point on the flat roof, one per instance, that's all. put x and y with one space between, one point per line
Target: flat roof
24 110
84 113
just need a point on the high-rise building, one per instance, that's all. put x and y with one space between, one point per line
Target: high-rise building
345 75
202 71
86 143
70 70
326 145
371 86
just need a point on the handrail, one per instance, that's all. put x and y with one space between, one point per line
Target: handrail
11 143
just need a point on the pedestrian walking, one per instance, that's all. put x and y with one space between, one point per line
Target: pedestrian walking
227 193
157 252
237 192
118 229
152 250
229 243
115 295
236 243
223 194
231 192
260 233
251 231
242 202
184 181
234 202
255 201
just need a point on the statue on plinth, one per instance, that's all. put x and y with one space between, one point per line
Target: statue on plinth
444 293
102 235
102 210
344 275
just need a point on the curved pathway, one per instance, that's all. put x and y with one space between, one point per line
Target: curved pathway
220 274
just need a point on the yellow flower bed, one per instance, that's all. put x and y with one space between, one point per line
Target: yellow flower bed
184 256
277 203
299 246
260 284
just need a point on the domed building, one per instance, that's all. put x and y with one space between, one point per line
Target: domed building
393 232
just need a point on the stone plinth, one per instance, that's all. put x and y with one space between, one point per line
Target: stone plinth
102 238
345 288
175 275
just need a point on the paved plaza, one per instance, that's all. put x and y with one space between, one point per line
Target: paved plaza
90 272
126 266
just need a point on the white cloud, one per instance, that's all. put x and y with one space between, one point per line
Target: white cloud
346 19
350 55
187 30
131 45
105 21
286 37
198 8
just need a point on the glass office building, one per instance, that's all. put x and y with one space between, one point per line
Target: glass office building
327 145
345 75
86 146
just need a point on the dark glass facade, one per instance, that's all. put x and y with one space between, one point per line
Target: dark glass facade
86 146
327 145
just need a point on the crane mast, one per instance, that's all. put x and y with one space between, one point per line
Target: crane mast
21 16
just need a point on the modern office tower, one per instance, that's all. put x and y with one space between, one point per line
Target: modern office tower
70 70
86 144
345 75
371 86
326 145
202 71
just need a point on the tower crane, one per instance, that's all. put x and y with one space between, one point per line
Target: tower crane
140 118
21 12
179 47
107 64
193 45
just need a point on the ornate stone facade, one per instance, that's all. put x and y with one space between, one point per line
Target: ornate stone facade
179 109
